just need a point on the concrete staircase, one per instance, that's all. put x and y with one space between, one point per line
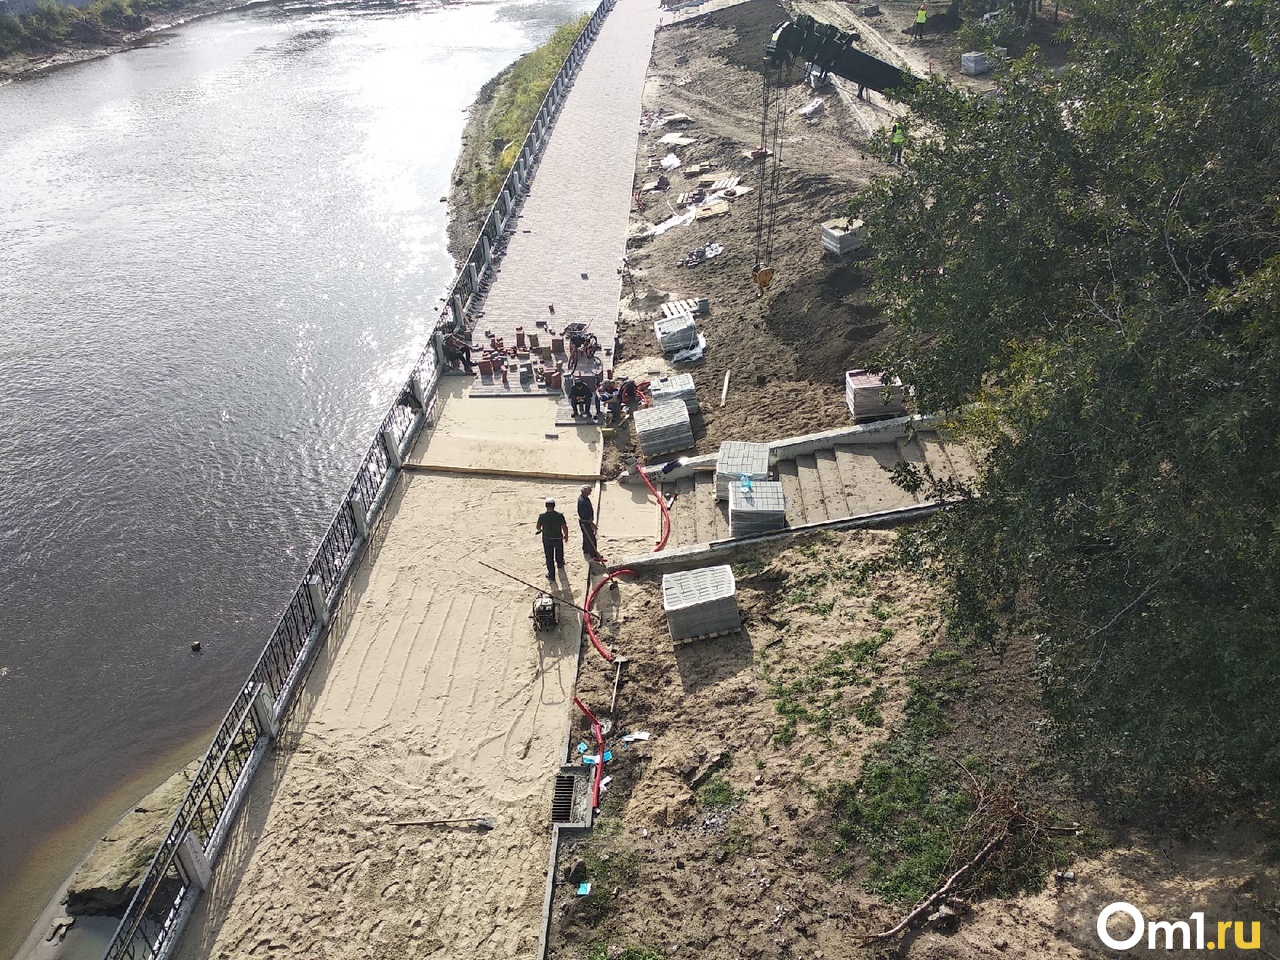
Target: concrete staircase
828 482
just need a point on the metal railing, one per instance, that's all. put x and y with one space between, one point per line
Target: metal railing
183 865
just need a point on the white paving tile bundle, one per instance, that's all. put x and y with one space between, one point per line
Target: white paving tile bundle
761 509
700 602
676 333
869 398
663 428
676 387
738 459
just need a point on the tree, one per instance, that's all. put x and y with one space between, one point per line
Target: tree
1092 262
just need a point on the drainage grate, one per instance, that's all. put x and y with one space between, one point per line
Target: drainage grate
562 799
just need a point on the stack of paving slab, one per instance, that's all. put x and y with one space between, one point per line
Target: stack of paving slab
974 63
701 602
738 459
677 387
676 333
759 508
663 428
869 398
842 235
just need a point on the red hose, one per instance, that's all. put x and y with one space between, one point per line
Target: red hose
662 505
591 598
595 728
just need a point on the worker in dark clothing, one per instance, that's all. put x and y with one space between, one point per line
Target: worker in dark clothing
611 397
580 397
921 17
555 530
587 523
457 351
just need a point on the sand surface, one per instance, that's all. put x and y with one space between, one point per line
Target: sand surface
433 700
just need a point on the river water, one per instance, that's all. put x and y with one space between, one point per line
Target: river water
219 255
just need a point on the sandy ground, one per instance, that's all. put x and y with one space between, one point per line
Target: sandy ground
436 702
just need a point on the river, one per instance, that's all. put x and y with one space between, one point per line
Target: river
219 255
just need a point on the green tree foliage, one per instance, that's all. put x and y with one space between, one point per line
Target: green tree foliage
1091 263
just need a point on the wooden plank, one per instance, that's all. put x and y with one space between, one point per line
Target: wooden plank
815 505
684 507
497 472
832 486
789 474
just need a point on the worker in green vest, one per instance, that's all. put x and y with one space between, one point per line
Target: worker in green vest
897 140
920 19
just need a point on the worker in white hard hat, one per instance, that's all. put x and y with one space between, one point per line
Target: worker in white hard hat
555 530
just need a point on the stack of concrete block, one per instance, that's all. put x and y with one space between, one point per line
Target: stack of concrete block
700 602
676 333
869 398
738 459
663 428
974 63
842 235
761 509
677 387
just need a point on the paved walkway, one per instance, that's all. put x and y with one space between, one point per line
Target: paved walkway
433 699
572 231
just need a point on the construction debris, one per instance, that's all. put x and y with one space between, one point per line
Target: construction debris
700 254
813 109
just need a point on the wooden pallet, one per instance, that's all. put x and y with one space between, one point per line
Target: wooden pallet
707 636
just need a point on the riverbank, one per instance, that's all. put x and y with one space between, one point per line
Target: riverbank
18 66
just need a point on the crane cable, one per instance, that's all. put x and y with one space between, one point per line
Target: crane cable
772 122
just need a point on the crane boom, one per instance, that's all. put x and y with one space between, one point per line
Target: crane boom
832 49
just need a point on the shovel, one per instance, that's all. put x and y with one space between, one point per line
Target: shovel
481 823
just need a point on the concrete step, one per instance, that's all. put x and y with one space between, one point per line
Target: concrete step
684 511
871 489
935 456
837 502
712 518
789 475
962 461
815 506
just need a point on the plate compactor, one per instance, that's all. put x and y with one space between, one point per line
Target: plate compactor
546 613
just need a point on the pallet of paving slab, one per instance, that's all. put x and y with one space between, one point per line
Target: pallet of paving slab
680 308
707 636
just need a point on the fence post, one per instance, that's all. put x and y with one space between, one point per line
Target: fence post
474 277
264 713
193 861
316 592
392 447
487 250
360 515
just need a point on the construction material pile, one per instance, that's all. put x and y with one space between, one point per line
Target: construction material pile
676 333
756 507
663 428
676 387
869 398
700 602
842 235
738 460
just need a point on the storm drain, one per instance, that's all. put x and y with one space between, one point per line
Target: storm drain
570 800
